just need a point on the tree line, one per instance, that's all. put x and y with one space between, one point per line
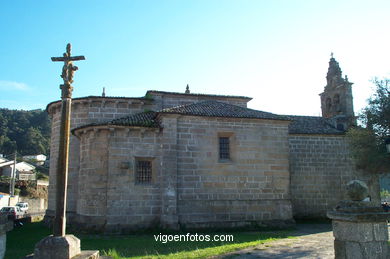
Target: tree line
27 132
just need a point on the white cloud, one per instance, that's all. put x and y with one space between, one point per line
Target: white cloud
12 85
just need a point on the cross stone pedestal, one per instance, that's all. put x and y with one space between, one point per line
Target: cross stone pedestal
360 230
5 226
62 247
359 227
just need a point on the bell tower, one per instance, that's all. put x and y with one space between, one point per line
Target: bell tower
337 100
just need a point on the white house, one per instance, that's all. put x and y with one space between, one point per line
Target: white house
38 159
24 171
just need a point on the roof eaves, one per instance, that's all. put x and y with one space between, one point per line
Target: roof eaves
229 117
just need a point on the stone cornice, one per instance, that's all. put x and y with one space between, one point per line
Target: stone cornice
56 105
96 128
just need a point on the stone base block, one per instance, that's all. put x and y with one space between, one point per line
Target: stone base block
53 247
87 254
358 250
360 231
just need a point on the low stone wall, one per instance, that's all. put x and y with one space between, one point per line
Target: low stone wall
35 205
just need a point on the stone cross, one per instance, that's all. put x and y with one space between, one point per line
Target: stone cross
68 70
63 155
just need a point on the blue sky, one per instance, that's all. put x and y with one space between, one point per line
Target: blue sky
274 51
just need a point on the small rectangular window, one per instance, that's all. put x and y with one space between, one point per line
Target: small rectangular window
143 171
224 148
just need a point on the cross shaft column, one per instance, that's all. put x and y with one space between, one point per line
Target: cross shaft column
63 154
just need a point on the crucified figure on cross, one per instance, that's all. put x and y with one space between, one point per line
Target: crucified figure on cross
68 69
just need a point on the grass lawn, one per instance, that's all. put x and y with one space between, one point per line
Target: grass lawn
21 241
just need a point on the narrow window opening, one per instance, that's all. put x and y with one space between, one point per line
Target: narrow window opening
340 127
224 148
143 171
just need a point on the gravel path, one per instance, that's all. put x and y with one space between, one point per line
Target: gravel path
311 241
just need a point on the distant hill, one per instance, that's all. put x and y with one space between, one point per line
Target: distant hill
28 131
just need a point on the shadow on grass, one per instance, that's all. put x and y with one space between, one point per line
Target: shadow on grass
21 240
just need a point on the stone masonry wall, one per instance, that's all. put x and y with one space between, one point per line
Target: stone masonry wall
94 110
92 179
131 205
84 111
251 188
320 166
109 198
190 186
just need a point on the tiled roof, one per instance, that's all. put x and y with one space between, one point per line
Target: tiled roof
298 125
220 109
144 119
195 94
311 125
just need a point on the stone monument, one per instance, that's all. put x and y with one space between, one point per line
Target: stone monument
59 245
359 227
5 226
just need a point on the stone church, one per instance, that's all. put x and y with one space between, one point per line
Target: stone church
198 160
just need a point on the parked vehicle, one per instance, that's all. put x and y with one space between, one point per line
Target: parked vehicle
23 206
13 212
386 206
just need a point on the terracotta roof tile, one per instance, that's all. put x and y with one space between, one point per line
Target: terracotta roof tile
144 119
298 125
311 125
220 109
196 94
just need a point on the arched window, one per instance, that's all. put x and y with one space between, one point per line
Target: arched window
328 104
336 103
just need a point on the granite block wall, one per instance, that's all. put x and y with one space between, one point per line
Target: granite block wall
190 186
251 187
320 167
109 197
84 111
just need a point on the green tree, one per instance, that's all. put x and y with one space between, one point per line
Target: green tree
368 141
26 131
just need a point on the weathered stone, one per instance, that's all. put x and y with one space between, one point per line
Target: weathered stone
317 184
5 226
339 249
357 190
90 254
367 250
85 254
252 187
3 241
54 247
359 231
